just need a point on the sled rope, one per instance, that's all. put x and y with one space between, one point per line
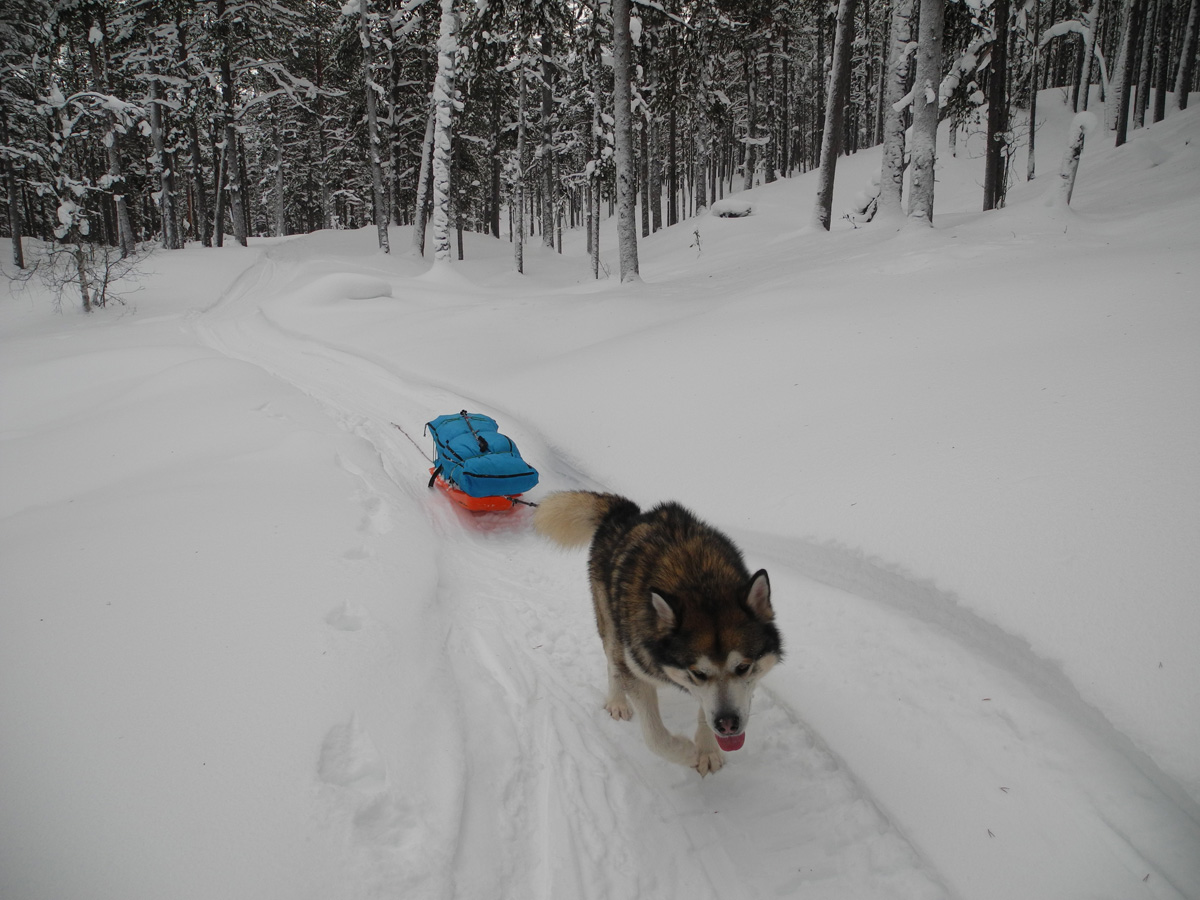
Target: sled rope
414 443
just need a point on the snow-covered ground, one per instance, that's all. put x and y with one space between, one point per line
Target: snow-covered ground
246 653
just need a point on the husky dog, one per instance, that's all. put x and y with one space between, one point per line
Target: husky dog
675 605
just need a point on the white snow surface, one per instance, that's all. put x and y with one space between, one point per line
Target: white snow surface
246 653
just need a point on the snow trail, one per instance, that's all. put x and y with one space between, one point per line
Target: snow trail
552 798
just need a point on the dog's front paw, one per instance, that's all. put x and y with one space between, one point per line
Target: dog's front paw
682 751
708 761
619 708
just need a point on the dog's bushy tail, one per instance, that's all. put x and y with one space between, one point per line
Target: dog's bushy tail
570 518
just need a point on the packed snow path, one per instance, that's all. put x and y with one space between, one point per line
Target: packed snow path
905 749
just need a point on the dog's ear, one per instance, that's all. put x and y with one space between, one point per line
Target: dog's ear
758 596
666 613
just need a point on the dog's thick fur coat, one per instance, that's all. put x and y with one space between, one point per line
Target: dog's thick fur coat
674 605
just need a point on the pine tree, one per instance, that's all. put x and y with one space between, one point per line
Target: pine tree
626 173
373 149
838 97
891 180
1187 57
995 171
926 87
443 98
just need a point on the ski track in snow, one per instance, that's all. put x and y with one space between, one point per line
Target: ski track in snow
596 814
553 799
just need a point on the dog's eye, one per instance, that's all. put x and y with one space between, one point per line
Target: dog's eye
743 669
698 675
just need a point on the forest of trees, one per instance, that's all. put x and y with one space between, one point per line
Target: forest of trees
127 122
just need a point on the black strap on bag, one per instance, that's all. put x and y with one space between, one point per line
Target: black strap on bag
483 444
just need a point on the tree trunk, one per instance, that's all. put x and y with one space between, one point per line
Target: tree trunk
595 148
772 145
494 204
421 212
1187 59
82 271
166 183
996 156
785 126
1129 42
232 160
925 111
891 178
443 98
219 213
1030 167
547 150
1164 59
750 64
323 187
519 176
837 98
1091 22
1070 162
655 175
1146 66
9 170
380 203
125 238
672 163
1118 94
280 204
202 225
644 175
622 114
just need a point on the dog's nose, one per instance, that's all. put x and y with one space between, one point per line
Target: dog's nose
728 725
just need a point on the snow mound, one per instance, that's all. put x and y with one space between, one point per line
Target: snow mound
732 208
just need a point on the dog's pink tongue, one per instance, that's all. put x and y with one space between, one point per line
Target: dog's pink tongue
731 743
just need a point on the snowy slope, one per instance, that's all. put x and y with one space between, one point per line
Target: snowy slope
244 652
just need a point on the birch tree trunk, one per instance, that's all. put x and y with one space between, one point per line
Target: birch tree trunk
836 98
925 111
891 177
443 101
381 211
623 117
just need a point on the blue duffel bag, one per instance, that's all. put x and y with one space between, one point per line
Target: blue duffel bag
473 456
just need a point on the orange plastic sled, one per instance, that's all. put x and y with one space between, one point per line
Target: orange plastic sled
474 504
